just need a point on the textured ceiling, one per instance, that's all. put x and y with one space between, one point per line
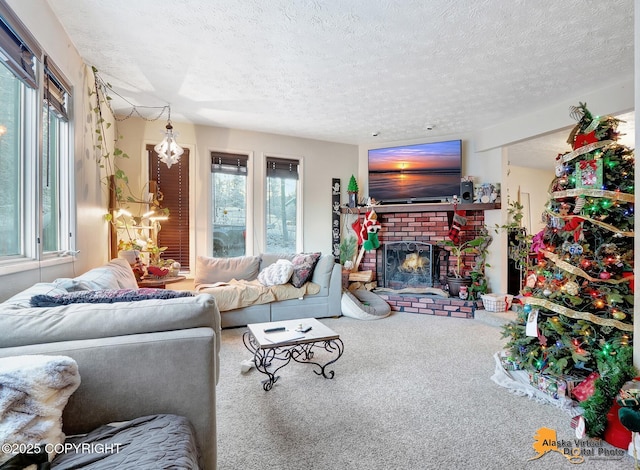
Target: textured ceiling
340 70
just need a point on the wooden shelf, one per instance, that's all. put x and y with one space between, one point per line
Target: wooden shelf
424 207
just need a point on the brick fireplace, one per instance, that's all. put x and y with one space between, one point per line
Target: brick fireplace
422 224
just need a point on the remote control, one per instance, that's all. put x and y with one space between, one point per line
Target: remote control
273 330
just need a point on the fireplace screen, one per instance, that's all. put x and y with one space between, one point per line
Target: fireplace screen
409 264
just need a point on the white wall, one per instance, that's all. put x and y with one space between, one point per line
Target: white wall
321 161
535 183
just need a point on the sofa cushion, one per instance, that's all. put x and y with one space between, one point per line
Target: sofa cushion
23 299
303 266
323 270
212 270
277 273
106 296
116 274
267 259
34 325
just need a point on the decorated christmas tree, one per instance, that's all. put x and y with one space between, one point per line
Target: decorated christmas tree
577 317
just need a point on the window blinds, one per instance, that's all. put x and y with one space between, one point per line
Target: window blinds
230 163
18 48
56 89
282 168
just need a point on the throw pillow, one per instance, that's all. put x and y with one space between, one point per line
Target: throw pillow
212 270
277 273
303 266
106 296
35 389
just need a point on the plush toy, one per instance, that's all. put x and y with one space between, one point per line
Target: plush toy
629 400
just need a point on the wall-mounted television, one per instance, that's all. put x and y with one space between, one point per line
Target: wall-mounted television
426 172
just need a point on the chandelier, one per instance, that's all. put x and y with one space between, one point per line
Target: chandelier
168 150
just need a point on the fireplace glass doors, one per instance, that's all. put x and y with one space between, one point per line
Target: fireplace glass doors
409 265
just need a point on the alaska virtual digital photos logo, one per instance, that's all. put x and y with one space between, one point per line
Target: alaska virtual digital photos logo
574 450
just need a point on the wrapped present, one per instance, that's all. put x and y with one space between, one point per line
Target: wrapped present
509 362
553 386
572 382
586 388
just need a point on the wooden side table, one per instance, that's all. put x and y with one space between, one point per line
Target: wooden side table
159 282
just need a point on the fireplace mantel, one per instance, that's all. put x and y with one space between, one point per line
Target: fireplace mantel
424 207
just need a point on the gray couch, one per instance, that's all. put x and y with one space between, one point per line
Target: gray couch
135 358
327 275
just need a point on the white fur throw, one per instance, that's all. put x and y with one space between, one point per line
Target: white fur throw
277 273
33 393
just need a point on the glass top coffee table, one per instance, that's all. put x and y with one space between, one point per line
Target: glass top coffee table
275 344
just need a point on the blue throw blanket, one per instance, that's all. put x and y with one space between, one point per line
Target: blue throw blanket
106 296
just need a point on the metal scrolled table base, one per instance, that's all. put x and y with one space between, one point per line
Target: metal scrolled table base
263 358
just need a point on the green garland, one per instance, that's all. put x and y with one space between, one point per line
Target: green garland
615 368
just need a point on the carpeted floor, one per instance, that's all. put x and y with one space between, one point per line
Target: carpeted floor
410 392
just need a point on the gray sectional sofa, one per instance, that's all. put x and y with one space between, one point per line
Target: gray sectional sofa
134 358
319 299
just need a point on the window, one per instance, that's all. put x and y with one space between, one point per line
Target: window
12 92
283 205
36 190
55 159
229 205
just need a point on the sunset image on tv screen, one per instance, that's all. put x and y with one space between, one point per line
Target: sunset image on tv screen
430 170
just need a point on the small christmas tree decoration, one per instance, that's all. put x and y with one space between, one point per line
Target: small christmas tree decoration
352 190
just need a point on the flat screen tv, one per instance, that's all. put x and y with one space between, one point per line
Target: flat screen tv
415 173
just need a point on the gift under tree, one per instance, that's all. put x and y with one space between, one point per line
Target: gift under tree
577 318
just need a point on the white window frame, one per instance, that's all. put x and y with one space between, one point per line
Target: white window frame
299 198
31 254
250 238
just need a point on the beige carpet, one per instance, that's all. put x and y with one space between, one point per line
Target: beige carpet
410 392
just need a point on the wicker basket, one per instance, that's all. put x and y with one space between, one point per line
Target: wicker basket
497 302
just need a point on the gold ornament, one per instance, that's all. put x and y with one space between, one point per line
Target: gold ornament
572 288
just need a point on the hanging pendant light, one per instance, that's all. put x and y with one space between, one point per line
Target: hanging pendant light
168 150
